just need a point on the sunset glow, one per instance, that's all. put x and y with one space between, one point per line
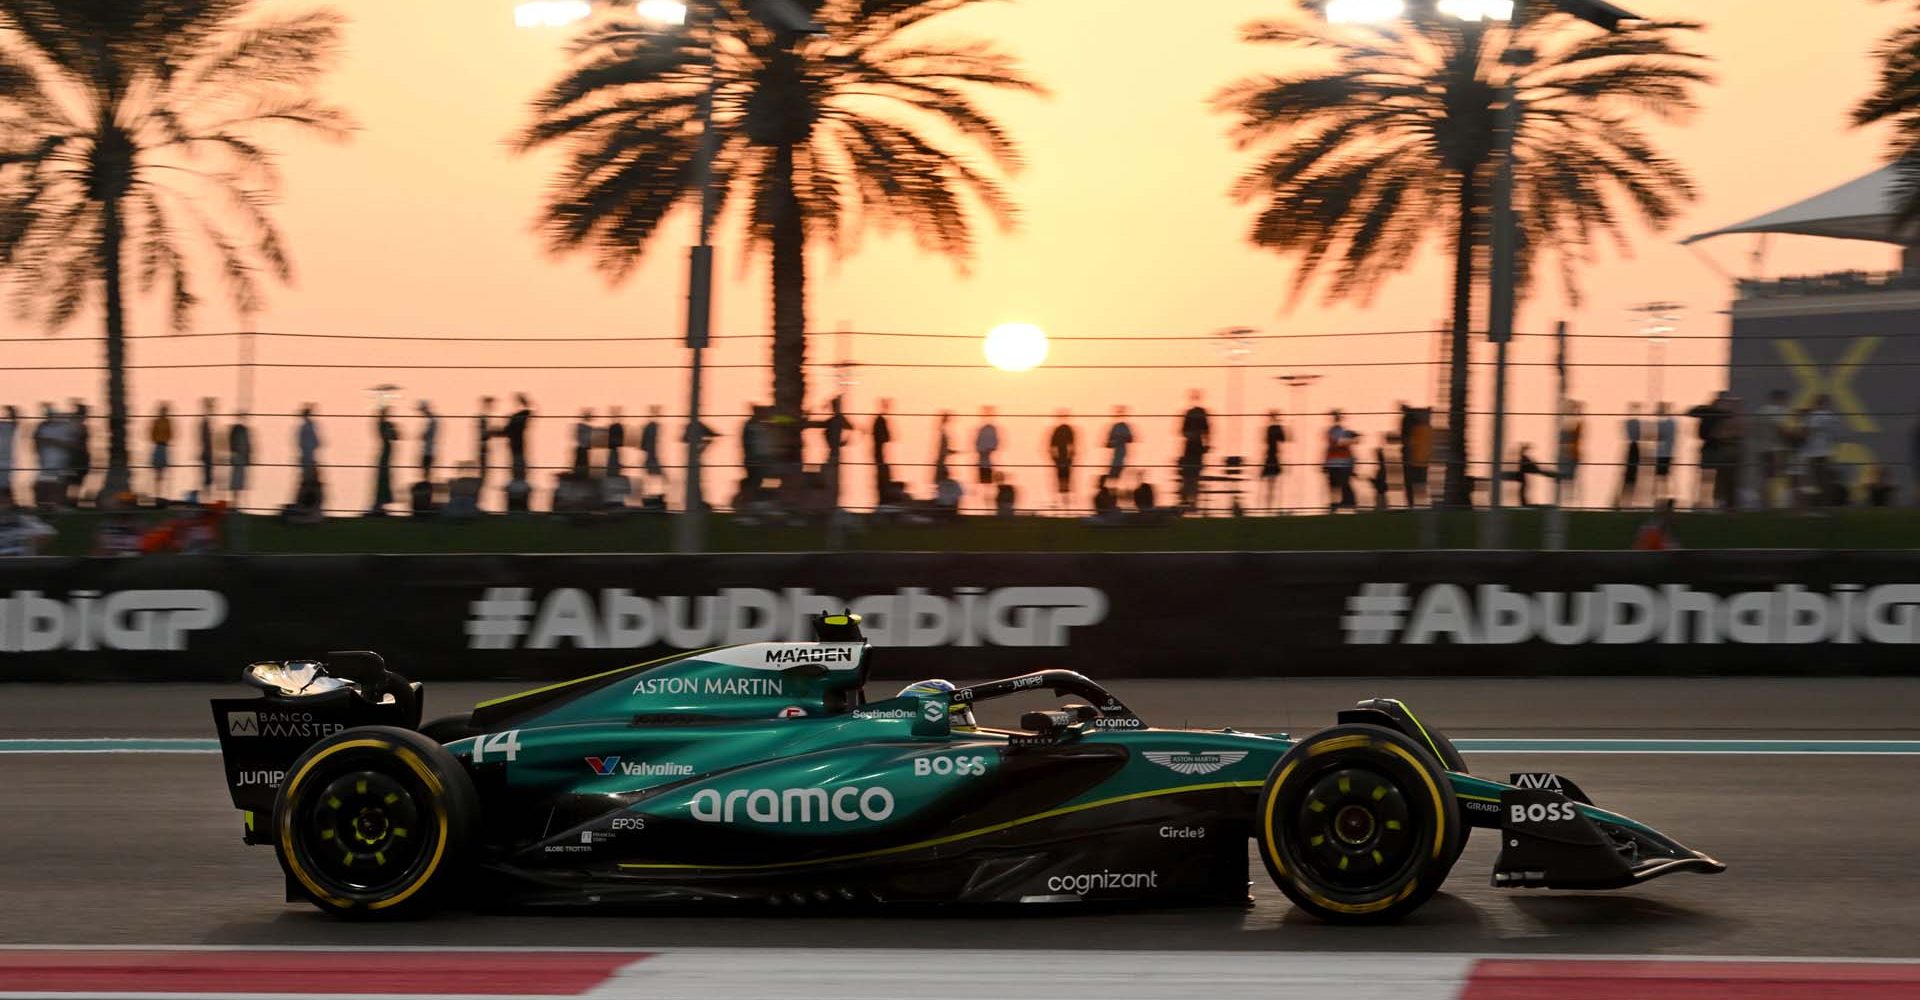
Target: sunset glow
1016 347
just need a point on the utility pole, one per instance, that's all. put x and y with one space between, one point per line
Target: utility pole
691 529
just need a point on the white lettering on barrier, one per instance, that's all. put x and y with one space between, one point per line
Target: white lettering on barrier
1628 614
615 618
145 620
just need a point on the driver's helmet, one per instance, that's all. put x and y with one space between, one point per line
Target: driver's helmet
959 716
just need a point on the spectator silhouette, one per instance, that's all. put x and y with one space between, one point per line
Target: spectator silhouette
1665 434
483 446
516 434
82 457
429 439
1339 464
1062 450
1270 466
650 465
206 456
1196 434
9 431
583 444
986 441
1119 437
943 450
616 441
160 433
387 433
239 456
1629 495
882 436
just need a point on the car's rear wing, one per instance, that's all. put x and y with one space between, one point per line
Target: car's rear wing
301 703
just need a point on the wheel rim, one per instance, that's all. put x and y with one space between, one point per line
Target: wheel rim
1354 830
362 832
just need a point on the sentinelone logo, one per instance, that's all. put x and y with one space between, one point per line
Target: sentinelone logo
122 619
1624 614
510 617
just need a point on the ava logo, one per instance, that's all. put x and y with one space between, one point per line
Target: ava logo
603 766
1181 762
933 711
1550 782
243 723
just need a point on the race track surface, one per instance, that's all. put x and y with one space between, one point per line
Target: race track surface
145 848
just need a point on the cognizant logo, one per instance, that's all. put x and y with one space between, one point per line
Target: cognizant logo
1080 885
847 804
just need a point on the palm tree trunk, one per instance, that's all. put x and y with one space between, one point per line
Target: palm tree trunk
112 233
1459 492
789 287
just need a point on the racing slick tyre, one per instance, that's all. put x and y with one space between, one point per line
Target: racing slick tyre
374 822
1358 824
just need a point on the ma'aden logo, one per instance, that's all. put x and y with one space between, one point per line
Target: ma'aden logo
1182 762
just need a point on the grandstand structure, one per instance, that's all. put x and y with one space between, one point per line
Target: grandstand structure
1852 335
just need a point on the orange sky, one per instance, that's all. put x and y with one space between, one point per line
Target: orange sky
421 225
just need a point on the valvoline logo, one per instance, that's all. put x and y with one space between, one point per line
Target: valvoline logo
603 766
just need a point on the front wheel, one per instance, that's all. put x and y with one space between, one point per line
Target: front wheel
1358 824
373 821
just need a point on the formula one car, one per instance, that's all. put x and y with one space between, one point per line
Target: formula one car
760 774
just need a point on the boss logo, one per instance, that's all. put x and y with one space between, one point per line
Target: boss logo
924 766
1542 812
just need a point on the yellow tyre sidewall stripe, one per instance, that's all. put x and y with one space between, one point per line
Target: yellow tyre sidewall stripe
420 769
1350 743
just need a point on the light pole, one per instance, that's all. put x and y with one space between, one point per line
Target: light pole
782 15
1234 347
1658 320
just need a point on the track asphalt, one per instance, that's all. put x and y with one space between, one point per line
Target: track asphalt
140 848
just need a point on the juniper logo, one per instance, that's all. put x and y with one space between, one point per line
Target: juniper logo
1183 762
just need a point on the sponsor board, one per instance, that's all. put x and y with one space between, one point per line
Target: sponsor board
846 804
1080 885
1190 762
1632 614
616 618
87 620
958 765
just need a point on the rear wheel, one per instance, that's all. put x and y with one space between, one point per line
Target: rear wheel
1358 824
373 821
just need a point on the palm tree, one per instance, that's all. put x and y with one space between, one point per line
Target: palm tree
822 135
1897 100
1393 140
130 126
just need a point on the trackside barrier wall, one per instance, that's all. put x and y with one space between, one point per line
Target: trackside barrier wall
968 615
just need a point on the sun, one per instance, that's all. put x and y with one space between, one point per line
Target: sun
1016 347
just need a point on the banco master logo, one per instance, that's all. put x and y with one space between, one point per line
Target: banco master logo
513 618
1183 762
1627 614
146 620
281 724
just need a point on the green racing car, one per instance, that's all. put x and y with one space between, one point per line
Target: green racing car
759 774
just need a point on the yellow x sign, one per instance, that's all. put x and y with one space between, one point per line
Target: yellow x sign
1837 384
